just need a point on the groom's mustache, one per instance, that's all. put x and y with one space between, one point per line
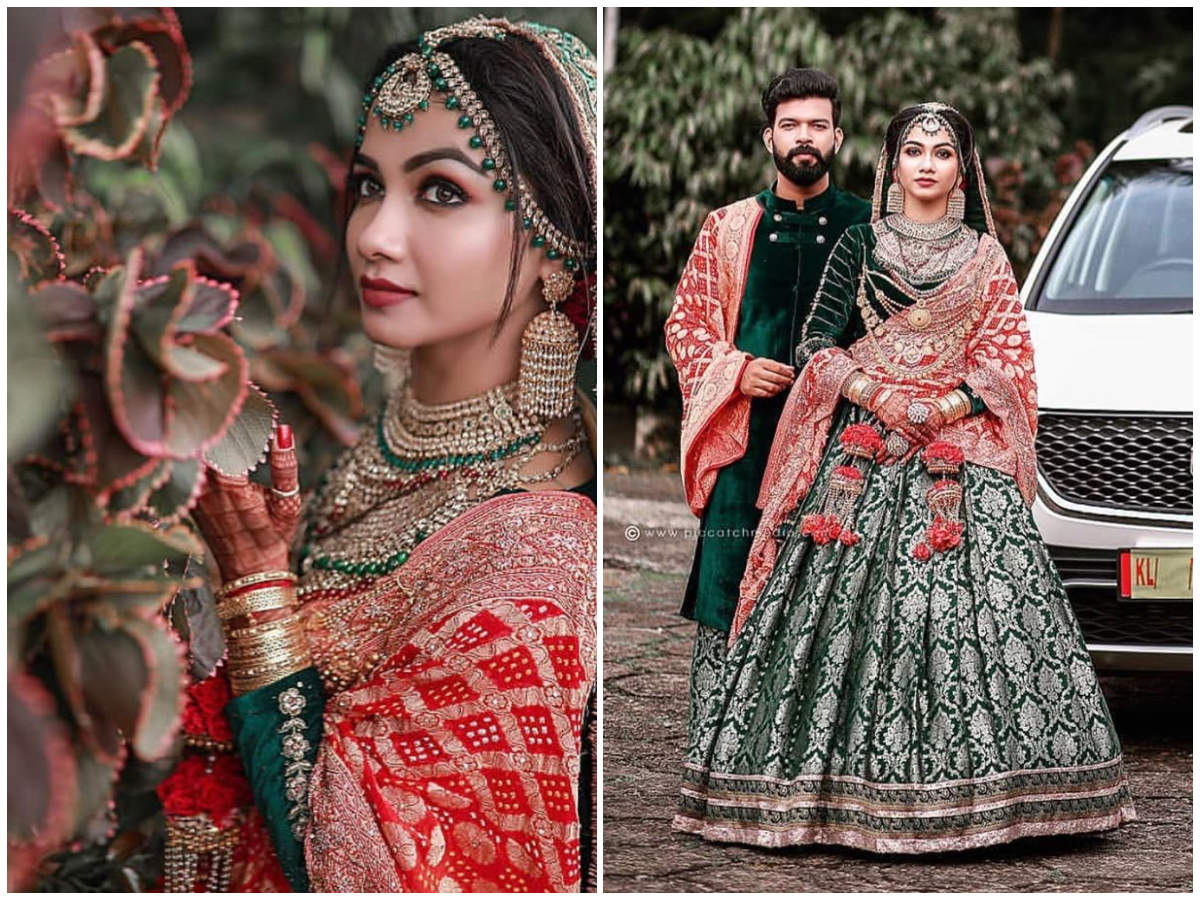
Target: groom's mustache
812 151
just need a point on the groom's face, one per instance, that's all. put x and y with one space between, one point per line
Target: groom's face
803 139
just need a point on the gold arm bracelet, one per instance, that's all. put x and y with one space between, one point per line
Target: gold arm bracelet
953 406
245 647
260 600
256 578
284 624
253 679
853 387
252 683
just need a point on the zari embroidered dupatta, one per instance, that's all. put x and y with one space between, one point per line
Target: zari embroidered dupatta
996 360
699 335
454 766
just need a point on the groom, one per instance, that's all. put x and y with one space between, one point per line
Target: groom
741 303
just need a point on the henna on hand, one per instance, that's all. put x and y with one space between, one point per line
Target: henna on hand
248 527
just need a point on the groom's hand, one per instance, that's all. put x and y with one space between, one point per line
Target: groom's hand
764 377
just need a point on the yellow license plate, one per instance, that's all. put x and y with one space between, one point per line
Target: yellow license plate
1158 573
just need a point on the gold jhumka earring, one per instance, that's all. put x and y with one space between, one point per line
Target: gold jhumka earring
956 206
895 198
549 349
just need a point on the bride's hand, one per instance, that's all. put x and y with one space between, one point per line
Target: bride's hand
893 414
250 527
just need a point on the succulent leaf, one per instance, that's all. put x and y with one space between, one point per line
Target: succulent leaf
130 92
42 787
174 499
245 441
36 249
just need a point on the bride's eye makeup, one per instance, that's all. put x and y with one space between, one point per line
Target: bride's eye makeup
364 185
439 191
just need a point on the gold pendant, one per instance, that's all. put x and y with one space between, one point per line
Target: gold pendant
918 318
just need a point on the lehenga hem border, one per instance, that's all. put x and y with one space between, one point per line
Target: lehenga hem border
862 839
903 811
905 786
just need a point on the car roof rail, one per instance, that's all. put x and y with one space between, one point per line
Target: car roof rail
1158 116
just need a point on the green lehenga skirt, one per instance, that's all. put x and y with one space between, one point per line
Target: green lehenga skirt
896 705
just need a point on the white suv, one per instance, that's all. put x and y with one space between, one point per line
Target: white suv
1109 302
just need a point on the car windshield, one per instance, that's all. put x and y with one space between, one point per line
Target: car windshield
1129 250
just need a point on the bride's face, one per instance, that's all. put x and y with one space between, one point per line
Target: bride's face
927 165
429 239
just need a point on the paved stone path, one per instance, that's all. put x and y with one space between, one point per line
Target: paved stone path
647 650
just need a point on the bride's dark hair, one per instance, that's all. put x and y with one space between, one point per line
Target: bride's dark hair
532 109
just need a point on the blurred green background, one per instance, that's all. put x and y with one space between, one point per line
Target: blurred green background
1044 88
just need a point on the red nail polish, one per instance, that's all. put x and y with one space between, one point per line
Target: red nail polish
283 437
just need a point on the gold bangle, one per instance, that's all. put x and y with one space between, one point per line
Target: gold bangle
253 680
256 578
964 403
273 666
260 600
954 406
856 384
264 645
284 624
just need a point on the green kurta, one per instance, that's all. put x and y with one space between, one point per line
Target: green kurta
790 250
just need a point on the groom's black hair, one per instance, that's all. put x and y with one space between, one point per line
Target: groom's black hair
797 84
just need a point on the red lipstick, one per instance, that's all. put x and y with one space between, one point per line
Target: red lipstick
381 293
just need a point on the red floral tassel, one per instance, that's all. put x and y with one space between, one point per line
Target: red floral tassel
944 498
835 522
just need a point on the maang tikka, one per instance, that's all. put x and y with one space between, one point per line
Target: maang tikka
549 350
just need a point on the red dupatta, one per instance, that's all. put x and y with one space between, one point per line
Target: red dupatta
996 360
454 765
699 334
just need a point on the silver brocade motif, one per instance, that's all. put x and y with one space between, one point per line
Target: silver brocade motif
922 253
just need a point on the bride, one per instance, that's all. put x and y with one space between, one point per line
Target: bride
411 699
904 672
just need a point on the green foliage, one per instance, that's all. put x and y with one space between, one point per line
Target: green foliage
682 137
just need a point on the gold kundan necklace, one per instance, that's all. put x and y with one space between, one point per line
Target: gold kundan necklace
421 466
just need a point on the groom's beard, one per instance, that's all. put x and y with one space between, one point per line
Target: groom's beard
803 175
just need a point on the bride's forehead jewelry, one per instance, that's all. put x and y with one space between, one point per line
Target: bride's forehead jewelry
407 86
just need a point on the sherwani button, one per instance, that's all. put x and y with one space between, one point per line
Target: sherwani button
820 238
772 236
822 221
778 217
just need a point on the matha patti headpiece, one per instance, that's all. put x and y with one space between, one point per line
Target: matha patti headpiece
406 86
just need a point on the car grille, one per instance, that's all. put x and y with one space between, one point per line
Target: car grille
1137 463
1107 620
